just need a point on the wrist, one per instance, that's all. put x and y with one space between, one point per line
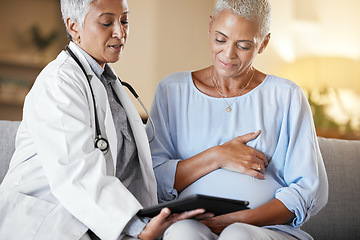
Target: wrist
144 235
214 157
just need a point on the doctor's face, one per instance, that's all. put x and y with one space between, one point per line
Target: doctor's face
105 30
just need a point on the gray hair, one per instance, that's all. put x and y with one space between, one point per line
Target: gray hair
258 11
76 10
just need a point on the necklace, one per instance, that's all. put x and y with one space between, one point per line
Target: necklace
214 81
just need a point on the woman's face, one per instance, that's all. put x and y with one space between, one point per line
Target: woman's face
234 43
105 30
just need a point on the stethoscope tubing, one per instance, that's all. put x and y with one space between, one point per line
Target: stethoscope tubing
127 85
132 90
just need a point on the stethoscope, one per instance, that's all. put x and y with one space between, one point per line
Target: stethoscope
101 142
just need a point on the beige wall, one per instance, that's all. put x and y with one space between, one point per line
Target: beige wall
165 36
19 58
171 35
17 17
316 43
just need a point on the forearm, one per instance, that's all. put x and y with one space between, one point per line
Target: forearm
271 213
191 169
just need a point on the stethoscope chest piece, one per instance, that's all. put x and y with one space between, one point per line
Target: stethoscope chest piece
102 144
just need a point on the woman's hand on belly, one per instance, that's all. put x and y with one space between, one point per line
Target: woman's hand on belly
236 156
233 155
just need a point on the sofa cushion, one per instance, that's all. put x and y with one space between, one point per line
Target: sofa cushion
340 219
8 131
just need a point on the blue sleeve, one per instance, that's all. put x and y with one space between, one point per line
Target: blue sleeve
135 226
162 148
304 171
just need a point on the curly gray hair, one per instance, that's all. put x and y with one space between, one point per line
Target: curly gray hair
76 10
258 11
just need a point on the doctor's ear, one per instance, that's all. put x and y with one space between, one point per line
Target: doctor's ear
210 23
73 30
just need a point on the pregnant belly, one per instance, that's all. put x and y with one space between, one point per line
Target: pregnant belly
223 183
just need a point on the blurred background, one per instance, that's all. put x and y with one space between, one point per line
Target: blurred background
315 43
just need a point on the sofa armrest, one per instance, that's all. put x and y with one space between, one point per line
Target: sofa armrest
340 218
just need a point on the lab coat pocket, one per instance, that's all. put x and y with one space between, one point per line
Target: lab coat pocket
21 215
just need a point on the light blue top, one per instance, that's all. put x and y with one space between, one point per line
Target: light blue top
188 122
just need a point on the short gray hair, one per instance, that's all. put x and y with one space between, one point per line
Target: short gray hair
258 11
76 10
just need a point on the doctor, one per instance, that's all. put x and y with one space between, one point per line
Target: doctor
59 184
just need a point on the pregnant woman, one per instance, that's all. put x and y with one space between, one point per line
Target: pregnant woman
230 130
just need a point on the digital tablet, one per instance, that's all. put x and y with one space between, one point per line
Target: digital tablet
216 205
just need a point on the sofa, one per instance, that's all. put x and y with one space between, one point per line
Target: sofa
340 219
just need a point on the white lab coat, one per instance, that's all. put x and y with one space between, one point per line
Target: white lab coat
58 185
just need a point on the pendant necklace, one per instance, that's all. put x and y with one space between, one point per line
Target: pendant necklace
214 81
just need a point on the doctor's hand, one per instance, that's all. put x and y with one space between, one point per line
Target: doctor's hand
157 225
236 156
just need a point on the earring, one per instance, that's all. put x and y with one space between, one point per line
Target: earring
77 40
